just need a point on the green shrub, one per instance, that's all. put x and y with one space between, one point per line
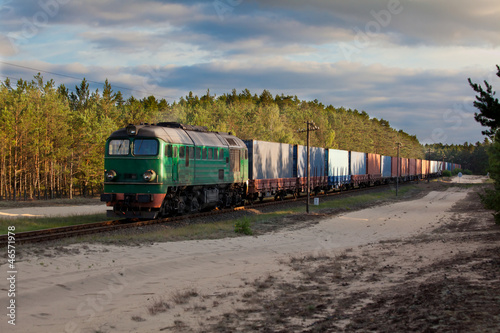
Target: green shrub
491 200
243 227
446 173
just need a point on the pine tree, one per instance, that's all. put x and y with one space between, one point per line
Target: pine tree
489 115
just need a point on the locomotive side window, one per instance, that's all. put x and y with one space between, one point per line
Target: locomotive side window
204 153
145 147
119 147
175 151
210 153
191 152
181 152
221 154
198 153
216 151
168 151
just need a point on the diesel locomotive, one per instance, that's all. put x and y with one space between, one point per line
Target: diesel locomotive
164 169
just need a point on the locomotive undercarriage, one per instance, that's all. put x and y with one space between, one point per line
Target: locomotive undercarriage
192 199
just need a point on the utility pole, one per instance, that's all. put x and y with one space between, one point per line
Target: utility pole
310 127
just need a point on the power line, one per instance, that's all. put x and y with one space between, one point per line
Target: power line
77 78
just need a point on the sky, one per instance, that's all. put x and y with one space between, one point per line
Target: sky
405 61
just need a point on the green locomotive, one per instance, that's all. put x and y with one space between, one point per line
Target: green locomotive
169 168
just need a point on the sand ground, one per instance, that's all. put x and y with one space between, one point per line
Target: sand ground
193 285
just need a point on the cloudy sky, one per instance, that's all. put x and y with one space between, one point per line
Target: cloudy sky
406 61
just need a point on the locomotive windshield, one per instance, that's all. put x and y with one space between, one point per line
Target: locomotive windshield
119 147
145 147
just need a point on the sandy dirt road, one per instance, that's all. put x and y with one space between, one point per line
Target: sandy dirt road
13 213
190 285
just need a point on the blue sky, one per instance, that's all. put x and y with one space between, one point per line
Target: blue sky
404 61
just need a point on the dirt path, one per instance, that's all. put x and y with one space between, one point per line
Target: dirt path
226 284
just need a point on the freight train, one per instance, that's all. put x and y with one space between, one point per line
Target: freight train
165 169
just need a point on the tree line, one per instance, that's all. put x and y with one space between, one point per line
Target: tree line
473 157
52 141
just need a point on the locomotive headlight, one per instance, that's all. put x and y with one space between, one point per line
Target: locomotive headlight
110 175
149 175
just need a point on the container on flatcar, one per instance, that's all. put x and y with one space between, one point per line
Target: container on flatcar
338 168
318 167
419 169
358 168
426 166
317 161
435 167
269 160
385 165
405 170
373 168
271 169
396 167
412 168
373 164
357 163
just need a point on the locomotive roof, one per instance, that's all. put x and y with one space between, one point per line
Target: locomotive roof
181 134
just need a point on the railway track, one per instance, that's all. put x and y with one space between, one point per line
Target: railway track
98 227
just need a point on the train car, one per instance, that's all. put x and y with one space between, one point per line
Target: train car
373 168
386 168
426 168
357 164
441 166
435 168
170 168
318 168
405 169
412 168
419 169
396 167
339 176
270 169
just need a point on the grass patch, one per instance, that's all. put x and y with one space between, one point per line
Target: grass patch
38 223
157 305
76 201
160 233
182 297
243 226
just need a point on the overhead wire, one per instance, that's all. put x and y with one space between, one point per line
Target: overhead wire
80 79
